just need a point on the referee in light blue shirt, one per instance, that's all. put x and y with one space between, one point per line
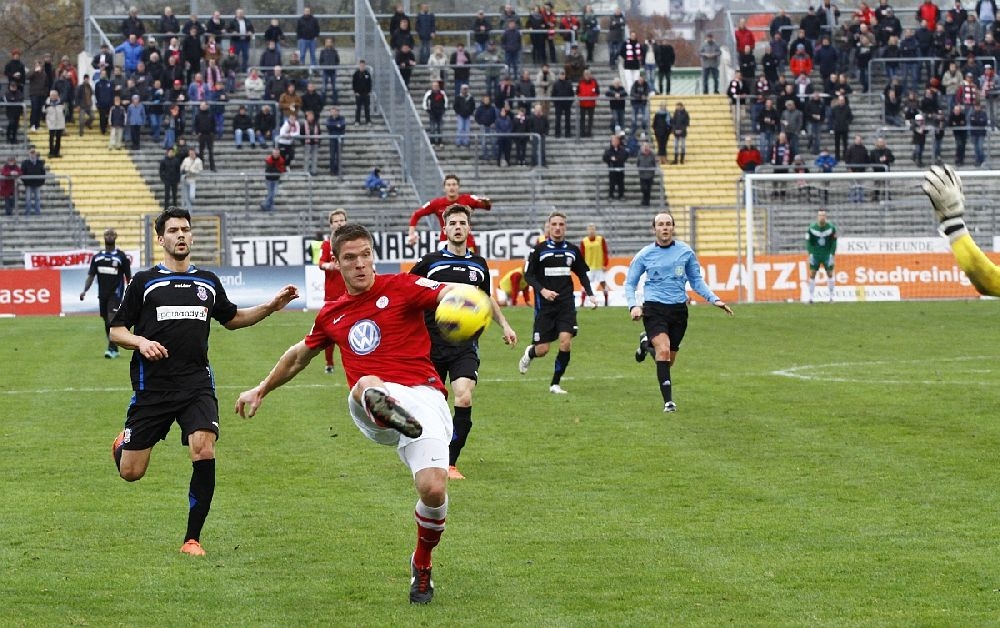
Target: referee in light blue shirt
669 265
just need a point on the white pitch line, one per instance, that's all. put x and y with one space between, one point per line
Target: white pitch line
336 384
795 372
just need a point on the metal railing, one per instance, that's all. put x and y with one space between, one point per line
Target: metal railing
418 159
598 176
23 122
257 178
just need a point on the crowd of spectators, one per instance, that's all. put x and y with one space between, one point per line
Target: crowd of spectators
168 84
938 78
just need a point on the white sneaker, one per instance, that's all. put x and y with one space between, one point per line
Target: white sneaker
525 361
556 389
670 406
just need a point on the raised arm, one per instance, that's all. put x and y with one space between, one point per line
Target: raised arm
296 358
944 188
245 317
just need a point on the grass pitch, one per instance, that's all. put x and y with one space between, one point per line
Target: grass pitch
829 465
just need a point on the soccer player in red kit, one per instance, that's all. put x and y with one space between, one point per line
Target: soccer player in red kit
396 397
436 207
333 286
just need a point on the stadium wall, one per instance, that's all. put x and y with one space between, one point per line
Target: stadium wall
900 276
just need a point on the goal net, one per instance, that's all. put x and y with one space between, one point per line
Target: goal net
888 245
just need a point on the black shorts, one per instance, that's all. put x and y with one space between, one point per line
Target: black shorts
552 320
151 414
108 307
670 319
455 361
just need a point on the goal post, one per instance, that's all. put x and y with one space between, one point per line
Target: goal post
888 244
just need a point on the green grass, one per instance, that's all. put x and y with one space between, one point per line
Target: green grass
829 465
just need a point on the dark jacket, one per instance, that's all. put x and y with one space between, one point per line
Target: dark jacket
464 106
307 27
336 126
425 26
563 88
615 156
361 82
856 154
242 122
616 97
264 123
486 115
29 169
665 57
170 170
313 102
234 27
841 118
204 122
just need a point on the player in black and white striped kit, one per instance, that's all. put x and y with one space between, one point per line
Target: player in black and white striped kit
458 363
169 307
113 271
549 271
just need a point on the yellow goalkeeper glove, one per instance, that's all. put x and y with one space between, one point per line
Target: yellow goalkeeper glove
943 187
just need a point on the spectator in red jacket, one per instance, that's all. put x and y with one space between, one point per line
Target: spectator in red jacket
587 90
801 62
744 36
748 157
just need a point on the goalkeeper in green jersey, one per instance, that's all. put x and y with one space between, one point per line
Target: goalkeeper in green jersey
821 244
944 187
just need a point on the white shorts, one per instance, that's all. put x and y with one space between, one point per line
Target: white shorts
430 408
596 277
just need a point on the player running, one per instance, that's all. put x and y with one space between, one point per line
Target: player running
333 284
458 363
170 307
821 244
436 207
548 271
396 396
669 265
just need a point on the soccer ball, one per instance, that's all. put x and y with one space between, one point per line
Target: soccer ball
463 313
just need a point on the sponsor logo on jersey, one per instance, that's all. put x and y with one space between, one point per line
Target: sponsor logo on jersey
382 302
182 285
364 337
427 283
202 293
557 271
108 270
181 312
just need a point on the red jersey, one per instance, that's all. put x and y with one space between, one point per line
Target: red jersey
436 207
381 332
334 285
586 89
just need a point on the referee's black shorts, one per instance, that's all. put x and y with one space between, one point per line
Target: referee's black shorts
455 361
666 318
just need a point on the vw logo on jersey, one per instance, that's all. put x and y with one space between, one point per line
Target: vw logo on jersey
382 303
364 337
202 294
